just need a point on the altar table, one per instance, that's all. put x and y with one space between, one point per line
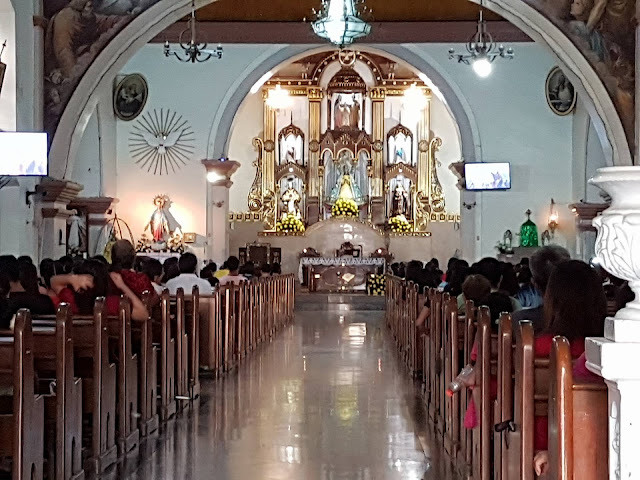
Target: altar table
340 273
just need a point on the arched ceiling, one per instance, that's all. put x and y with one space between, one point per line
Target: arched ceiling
383 11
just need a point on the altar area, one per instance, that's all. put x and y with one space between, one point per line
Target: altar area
350 151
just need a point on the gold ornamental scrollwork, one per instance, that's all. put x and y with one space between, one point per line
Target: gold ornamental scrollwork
269 211
422 212
254 199
437 200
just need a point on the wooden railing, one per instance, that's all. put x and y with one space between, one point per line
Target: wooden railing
127 377
501 447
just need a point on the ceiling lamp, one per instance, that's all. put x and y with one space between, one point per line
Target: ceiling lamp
192 51
278 98
481 51
339 22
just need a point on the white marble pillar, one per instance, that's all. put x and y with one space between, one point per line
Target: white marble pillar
219 173
53 199
612 357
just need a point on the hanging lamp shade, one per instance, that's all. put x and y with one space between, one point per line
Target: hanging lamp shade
340 23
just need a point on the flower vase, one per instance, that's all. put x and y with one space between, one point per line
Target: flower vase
618 243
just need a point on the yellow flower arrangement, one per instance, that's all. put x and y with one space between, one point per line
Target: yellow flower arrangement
290 224
344 208
376 285
400 224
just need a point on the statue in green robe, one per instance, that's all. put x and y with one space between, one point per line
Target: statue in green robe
528 232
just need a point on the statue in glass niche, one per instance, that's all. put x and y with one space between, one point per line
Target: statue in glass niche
346 188
528 232
291 199
162 225
346 114
400 202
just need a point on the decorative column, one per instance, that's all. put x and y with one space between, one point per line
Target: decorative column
269 200
219 174
586 237
617 248
378 96
55 196
315 96
423 191
97 210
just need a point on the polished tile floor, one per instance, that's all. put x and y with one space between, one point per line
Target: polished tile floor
326 400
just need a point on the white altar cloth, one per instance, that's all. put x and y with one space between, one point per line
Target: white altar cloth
338 261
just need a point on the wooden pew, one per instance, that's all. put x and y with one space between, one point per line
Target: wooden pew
451 368
435 365
22 413
147 370
164 336
211 333
193 332
91 357
482 397
530 399
578 422
128 434
464 460
504 402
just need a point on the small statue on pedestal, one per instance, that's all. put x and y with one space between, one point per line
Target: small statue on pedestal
291 199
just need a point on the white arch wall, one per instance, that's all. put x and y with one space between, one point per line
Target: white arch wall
513 123
8 94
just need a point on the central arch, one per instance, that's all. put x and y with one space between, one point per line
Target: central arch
459 107
155 19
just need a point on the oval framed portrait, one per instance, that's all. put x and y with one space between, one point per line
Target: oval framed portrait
130 97
560 94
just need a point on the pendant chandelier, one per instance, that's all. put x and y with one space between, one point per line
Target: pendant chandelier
481 51
192 51
340 22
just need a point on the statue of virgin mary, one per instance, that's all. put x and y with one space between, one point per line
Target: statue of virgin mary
346 187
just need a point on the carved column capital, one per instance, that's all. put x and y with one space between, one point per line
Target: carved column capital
58 191
219 171
378 94
315 94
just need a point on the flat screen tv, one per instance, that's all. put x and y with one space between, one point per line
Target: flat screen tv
23 154
487 176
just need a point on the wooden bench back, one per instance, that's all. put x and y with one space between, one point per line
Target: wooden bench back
578 421
22 426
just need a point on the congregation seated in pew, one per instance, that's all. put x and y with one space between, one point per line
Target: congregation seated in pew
188 265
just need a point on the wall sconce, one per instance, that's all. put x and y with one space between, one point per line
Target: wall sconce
553 218
218 204
469 206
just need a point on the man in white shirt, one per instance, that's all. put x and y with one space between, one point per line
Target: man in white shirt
233 264
187 279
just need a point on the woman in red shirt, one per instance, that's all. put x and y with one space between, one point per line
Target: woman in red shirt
90 281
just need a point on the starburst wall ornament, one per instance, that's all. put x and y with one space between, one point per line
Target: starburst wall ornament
161 142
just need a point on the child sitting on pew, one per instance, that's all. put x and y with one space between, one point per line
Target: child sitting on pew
575 307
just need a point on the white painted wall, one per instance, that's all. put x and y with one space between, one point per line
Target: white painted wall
8 94
515 125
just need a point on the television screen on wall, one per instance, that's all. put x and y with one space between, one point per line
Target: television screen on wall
487 176
23 154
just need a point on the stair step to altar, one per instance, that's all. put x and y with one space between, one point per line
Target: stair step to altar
338 302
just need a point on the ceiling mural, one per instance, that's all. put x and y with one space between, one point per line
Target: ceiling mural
76 32
604 31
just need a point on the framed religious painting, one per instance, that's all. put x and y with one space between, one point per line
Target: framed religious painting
560 93
130 96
